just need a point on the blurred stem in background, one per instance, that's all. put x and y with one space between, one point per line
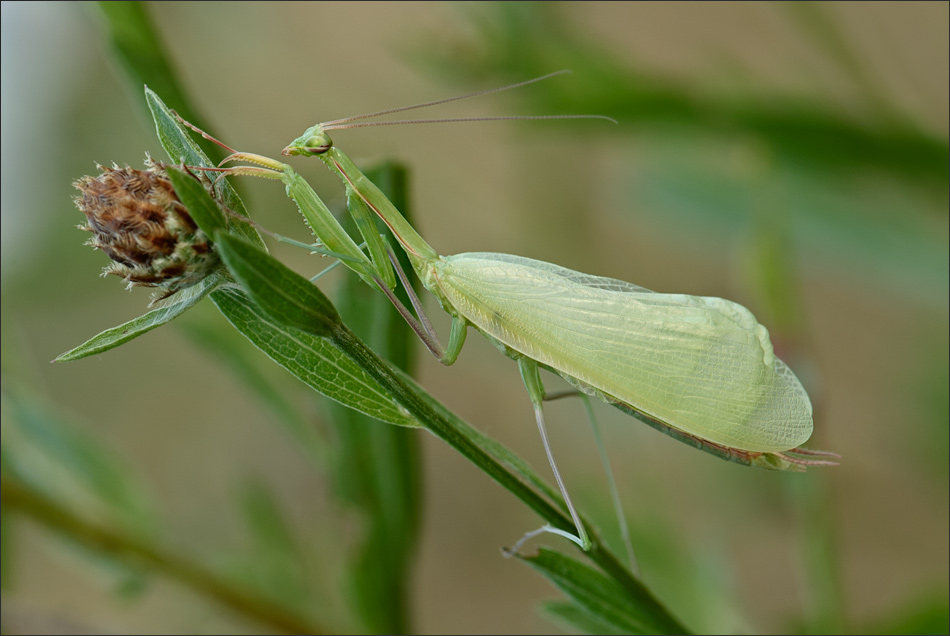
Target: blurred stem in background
377 469
115 544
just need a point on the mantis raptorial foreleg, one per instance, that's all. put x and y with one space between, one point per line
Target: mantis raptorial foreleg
317 215
362 195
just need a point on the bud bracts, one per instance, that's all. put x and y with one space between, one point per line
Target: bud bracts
138 221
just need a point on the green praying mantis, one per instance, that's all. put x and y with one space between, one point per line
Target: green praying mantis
700 369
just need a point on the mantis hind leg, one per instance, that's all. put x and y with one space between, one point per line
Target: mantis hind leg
611 482
532 382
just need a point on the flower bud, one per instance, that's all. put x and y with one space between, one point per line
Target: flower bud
137 219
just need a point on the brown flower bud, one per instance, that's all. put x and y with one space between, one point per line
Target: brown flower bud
137 219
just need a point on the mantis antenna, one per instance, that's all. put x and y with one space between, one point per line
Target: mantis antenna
344 123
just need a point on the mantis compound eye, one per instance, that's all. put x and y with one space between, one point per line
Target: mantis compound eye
318 145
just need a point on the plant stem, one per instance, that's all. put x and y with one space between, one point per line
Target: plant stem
450 431
20 497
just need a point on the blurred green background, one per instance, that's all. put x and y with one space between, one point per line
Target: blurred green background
791 157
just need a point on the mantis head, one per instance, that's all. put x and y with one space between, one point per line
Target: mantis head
314 141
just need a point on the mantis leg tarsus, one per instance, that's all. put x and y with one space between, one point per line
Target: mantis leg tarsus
513 550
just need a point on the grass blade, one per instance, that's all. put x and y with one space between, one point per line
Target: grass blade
604 599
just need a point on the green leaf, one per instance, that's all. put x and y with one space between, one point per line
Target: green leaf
176 141
199 203
134 328
180 147
284 295
315 361
604 599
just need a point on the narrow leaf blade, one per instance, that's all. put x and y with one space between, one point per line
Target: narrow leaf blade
315 361
134 328
181 148
603 598
284 295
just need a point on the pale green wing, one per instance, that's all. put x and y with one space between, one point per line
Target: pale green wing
702 365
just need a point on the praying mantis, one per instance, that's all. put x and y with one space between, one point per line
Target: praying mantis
700 369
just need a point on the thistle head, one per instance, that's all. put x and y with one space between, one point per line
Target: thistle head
137 219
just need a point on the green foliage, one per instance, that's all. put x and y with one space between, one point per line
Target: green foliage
312 359
285 297
199 203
